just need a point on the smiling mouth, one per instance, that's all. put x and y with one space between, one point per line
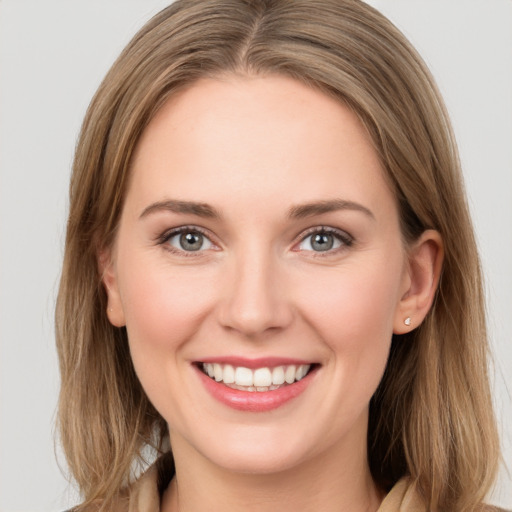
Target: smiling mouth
255 380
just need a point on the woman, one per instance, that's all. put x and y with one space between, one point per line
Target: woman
270 265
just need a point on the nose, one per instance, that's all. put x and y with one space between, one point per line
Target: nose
255 299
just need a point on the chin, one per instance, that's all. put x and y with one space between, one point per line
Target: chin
256 462
253 450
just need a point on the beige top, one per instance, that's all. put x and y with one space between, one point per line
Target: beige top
145 496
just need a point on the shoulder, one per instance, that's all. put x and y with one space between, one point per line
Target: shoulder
142 495
404 497
121 504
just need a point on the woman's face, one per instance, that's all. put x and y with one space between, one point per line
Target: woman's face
258 240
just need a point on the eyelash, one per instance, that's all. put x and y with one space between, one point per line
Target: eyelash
343 237
168 235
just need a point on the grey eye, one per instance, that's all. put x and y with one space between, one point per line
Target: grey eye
321 241
190 241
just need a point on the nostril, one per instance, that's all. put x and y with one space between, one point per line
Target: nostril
254 300
253 317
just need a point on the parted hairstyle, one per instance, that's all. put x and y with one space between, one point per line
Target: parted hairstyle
431 416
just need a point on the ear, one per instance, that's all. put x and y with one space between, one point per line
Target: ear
115 311
425 262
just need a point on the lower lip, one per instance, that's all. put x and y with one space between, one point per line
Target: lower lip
254 401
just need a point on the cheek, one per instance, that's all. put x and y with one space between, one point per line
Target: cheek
163 308
352 310
353 301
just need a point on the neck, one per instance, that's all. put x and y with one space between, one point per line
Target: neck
336 481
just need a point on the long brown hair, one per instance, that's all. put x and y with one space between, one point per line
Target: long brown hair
431 417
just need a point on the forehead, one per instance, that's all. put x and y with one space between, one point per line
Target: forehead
273 137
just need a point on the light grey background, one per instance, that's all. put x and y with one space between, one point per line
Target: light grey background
53 55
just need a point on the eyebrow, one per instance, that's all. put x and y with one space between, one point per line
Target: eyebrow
310 209
295 212
187 207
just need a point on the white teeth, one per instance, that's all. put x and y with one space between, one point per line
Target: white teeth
289 375
260 379
229 374
301 372
217 372
278 375
244 376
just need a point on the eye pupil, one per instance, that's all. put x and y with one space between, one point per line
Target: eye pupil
191 241
322 242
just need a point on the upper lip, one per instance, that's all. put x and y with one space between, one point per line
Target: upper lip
260 362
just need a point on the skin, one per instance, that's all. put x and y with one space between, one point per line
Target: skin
254 149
